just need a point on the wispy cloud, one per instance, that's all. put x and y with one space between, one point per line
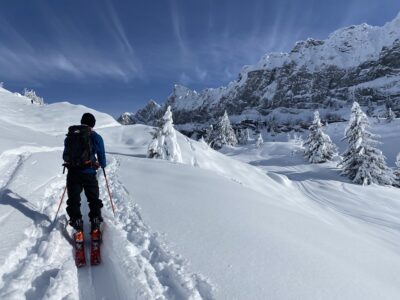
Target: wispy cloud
116 23
227 51
54 65
68 51
178 29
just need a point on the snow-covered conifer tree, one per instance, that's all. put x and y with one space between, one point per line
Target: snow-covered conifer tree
248 135
164 144
203 141
370 109
390 115
35 99
259 141
318 147
223 134
362 162
396 181
243 136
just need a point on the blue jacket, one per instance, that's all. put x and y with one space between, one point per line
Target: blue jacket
98 149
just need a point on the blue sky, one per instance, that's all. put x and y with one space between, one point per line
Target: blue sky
116 55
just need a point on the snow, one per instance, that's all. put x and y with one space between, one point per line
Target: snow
345 48
188 100
18 111
248 223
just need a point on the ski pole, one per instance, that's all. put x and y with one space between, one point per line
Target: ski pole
109 192
61 201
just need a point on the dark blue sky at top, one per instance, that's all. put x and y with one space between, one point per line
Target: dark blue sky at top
116 55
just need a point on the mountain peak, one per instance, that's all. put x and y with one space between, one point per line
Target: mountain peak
153 103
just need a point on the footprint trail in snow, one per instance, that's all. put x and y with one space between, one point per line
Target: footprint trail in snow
135 264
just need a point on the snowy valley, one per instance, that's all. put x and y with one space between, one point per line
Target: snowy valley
248 223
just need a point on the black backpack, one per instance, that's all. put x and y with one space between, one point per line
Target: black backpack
78 147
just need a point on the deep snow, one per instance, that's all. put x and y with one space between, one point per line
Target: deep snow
250 224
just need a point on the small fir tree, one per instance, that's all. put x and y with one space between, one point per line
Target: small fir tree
370 109
207 134
248 135
223 134
318 147
259 141
362 162
164 144
243 136
396 181
35 99
390 115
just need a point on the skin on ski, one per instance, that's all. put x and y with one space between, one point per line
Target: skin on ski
95 243
80 258
95 255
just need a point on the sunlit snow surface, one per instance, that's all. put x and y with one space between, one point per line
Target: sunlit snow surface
250 224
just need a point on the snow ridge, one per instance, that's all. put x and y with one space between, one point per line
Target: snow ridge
164 275
344 48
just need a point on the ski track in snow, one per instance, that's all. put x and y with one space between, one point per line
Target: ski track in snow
40 256
160 273
135 263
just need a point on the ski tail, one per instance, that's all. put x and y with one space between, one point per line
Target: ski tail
80 258
95 242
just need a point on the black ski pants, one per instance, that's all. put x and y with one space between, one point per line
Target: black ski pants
76 182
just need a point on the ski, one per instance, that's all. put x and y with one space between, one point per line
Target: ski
80 258
95 242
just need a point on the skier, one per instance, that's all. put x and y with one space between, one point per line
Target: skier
81 147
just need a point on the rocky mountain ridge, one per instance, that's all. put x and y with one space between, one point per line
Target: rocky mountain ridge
359 63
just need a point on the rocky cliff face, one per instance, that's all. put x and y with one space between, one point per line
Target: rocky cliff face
359 63
146 115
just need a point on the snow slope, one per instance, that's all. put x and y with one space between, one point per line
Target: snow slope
36 261
261 224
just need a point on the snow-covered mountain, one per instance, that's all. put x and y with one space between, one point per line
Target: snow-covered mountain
247 224
146 115
356 63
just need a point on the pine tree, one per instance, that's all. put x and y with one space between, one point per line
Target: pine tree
362 162
164 144
259 141
243 136
248 135
390 115
223 134
370 109
318 147
396 181
35 99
